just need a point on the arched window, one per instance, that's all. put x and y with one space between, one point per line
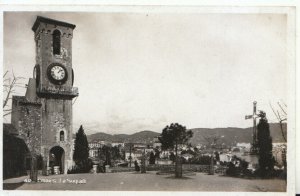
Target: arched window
56 42
62 136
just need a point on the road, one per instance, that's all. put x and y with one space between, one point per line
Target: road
131 181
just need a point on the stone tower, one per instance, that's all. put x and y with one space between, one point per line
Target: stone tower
44 116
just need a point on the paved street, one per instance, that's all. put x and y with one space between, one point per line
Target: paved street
130 181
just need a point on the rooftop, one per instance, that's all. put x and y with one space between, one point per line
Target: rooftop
40 19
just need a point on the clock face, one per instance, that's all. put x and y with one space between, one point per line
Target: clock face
57 73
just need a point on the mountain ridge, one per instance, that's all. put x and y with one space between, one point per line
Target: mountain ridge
230 135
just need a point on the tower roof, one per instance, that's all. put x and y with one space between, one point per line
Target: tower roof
40 19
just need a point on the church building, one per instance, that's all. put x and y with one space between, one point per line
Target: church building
43 117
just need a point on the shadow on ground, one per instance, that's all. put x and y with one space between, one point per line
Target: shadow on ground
182 178
12 186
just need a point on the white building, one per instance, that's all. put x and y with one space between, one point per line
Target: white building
121 144
93 152
135 155
247 146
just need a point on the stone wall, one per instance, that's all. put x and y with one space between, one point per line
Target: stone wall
57 117
39 124
27 119
44 50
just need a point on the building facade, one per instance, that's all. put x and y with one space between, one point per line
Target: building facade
43 117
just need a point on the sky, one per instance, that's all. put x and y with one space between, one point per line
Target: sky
143 71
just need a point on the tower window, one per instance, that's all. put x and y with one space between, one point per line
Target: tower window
61 136
56 42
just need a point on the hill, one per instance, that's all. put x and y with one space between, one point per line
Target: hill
232 134
139 137
229 135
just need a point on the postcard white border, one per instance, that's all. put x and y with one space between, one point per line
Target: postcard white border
280 7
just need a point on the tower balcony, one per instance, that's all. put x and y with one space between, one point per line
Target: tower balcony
57 91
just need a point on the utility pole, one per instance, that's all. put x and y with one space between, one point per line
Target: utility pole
254 147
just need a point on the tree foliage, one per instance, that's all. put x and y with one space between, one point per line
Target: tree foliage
174 135
172 157
171 137
81 152
266 159
109 153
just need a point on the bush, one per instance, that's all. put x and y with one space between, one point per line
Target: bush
238 170
78 170
81 169
231 171
270 174
201 160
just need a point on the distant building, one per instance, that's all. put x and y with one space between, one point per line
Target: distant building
244 145
225 157
135 155
95 145
121 144
165 154
182 147
140 145
93 152
149 150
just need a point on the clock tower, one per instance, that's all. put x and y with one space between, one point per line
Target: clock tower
54 78
44 116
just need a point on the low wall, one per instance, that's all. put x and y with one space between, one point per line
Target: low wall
156 167
121 169
188 167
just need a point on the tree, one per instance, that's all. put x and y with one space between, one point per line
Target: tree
171 137
217 155
81 152
266 159
115 153
9 87
172 157
105 154
212 142
157 153
281 117
152 158
108 154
